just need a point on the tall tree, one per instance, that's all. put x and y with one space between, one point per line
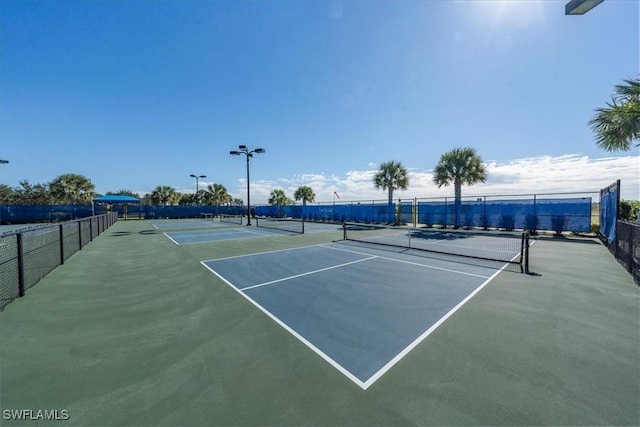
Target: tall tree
617 126
460 166
218 194
71 188
124 193
304 193
6 194
147 199
200 198
279 198
164 195
187 199
391 176
27 194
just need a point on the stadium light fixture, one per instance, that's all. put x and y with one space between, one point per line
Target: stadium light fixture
197 177
580 7
242 149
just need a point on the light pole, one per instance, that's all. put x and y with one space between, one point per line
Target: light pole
242 149
197 177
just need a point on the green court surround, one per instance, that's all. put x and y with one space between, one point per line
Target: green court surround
133 331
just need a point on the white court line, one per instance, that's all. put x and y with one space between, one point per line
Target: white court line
413 263
307 273
262 233
221 232
189 234
366 384
242 237
168 237
286 327
266 252
426 333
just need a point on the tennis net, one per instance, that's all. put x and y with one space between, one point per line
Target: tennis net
232 219
283 224
509 248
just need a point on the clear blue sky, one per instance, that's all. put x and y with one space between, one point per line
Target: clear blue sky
136 94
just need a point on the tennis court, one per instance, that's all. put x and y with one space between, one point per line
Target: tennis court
164 224
310 329
360 309
206 236
224 231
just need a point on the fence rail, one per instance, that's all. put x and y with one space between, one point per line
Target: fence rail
29 254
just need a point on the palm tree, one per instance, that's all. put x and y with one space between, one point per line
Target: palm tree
201 197
304 193
279 198
218 194
618 125
71 188
459 166
187 199
391 176
164 194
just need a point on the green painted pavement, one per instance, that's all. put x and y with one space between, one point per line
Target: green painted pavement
133 331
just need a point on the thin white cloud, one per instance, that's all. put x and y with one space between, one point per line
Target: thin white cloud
534 175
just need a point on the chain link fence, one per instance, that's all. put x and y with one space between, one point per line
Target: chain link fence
27 255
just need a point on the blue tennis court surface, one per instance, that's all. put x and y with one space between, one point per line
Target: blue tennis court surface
360 309
164 224
228 231
207 236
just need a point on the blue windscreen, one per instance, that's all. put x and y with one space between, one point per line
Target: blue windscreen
609 201
571 214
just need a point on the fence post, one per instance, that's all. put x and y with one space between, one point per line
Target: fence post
535 215
631 248
20 266
445 212
484 213
373 212
61 244
79 235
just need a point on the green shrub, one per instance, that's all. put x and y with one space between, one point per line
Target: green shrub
629 209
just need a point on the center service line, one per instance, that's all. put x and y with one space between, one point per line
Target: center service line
307 273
